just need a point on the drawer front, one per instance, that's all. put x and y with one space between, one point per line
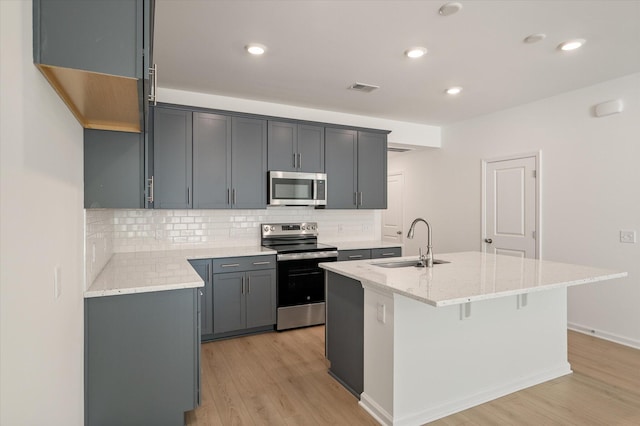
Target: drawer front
245 263
354 254
379 253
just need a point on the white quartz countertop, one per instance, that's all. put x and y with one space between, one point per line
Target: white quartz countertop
361 245
470 276
141 272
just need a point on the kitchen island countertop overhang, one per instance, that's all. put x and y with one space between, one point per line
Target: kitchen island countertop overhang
470 276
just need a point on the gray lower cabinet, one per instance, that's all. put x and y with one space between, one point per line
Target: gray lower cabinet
244 301
142 358
295 147
356 167
374 253
113 169
204 269
344 331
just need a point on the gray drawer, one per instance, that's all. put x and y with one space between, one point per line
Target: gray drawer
244 263
378 253
354 254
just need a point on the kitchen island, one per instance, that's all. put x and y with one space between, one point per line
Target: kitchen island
418 344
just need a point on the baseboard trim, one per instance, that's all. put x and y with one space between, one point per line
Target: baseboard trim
375 410
604 335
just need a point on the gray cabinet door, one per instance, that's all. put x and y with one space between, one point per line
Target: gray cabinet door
345 331
282 146
341 168
172 144
211 161
229 303
203 268
99 36
372 170
141 358
311 148
249 163
261 298
113 167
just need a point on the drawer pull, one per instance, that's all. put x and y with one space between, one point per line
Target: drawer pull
261 263
355 256
229 265
388 254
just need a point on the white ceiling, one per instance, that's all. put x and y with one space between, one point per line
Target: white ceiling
316 49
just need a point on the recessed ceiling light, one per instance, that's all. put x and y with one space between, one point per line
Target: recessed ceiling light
415 52
534 38
449 8
572 44
453 90
256 49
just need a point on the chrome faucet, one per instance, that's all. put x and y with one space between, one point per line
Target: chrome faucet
425 259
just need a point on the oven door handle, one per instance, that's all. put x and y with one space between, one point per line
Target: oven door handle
308 255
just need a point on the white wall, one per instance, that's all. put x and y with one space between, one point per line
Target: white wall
41 226
590 191
402 132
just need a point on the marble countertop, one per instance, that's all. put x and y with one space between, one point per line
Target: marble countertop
359 245
140 272
470 276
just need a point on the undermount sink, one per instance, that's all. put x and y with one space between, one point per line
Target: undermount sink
406 263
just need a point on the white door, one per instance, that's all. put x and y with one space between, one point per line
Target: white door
392 216
511 210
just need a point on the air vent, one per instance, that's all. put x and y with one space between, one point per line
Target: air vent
394 149
362 87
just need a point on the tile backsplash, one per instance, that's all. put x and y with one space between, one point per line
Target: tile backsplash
116 231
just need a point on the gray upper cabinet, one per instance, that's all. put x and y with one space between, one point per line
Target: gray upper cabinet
356 166
96 50
341 166
296 147
211 161
372 170
172 159
248 163
113 169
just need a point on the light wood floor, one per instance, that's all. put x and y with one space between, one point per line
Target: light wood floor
281 379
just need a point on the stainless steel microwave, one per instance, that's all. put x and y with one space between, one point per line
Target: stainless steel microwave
297 189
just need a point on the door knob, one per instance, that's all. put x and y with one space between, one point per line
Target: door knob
399 232
488 240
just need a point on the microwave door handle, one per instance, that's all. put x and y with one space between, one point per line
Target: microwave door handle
315 189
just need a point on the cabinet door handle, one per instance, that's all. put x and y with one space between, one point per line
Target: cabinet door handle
360 197
188 196
228 196
248 285
201 293
150 197
261 263
299 161
295 165
242 290
234 195
153 76
209 271
229 265
355 256
355 198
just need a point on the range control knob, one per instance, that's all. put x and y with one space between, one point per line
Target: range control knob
266 228
273 228
304 227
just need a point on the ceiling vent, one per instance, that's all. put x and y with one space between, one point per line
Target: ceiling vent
362 87
396 149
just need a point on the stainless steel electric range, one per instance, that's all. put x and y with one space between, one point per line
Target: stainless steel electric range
300 281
